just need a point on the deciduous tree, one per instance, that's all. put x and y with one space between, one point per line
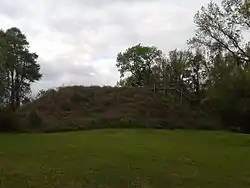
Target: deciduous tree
137 62
223 27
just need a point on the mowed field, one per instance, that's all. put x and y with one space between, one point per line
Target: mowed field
125 158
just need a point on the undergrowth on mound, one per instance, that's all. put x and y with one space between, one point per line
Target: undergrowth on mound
79 108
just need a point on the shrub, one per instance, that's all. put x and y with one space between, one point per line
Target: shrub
8 122
35 121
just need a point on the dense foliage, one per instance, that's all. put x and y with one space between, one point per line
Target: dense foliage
215 68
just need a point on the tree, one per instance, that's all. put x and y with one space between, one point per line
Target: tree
3 72
177 66
238 11
20 66
198 74
226 58
40 93
3 88
2 84
229 97
137 62
185 69
222 27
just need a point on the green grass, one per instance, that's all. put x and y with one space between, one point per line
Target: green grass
125 158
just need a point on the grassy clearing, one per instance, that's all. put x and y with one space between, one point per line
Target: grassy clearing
125 158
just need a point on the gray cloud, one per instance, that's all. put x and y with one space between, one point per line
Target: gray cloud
78 41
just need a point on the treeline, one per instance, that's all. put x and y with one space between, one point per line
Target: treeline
214 68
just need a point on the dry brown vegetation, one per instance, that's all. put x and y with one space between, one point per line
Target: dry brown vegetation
74 108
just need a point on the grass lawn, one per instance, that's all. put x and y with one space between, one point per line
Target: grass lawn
125 158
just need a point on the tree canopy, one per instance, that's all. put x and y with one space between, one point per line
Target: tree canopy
220 29
138 62
18 67
215 67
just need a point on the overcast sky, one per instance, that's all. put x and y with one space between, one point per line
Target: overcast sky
78 40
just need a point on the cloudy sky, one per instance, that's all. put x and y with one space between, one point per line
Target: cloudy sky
77 40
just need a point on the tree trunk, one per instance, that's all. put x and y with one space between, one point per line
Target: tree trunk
12 94
17 90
